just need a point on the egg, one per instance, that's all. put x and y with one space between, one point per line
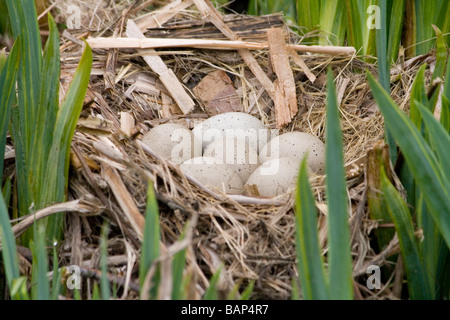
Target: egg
275 176
231 124
296 144
173 142
216 176
235 152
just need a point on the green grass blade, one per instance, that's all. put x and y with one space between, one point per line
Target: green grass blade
419 157
9 250
441 54
24 23
418 94
431 244
57 275
308 13
40 284
8 75
339 255
150 245
332 22
425 14
247 293
438 137
178 264
357 30
310 265
417 281
48 108
445 114
211 292
395 28
384 64
104 282
57 166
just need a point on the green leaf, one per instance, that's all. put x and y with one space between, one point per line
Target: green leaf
332 22
57 275
151 241
57 166
40 284
418 93
445 114
9 250
339 255
104 282
211 292
24 23
310 265
308 14
8 75
395 29
47 110
439 138
178 264
419 157
247 293
417 281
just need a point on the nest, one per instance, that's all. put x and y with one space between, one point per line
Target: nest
253 238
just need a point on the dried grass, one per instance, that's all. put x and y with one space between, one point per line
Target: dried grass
253 241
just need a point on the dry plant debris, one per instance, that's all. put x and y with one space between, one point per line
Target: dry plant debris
133 89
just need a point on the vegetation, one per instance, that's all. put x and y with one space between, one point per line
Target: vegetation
41 130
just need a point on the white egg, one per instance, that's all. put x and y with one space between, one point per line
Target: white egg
217 176
275 176
231 124
235 152
296 144
173 142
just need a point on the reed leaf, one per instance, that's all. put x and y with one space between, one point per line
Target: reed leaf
418 287
339 256
104 282
384 64
211 291
178 264
47 110
438 137
332 22
310 265
420 159
40 289
8 246
8 75
150 244
418 94
57 275
397 8
308 14
57 166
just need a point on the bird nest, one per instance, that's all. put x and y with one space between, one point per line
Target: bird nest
253 238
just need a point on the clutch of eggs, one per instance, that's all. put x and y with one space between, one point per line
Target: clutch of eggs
233 149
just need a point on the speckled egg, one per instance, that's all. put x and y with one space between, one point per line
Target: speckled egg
235 152
296 144
221 177
275 177
173 142
228 124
